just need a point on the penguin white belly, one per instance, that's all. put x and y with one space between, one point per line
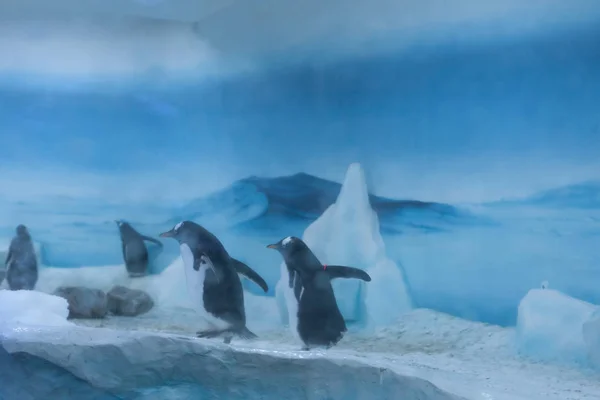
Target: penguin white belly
291 302
195 287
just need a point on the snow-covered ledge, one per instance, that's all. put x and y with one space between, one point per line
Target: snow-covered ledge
125 360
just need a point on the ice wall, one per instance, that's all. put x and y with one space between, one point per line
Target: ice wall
348 234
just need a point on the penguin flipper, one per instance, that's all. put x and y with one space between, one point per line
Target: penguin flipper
296 285
249 273
338 271
152 240
211 333
292 276
213 274
8 257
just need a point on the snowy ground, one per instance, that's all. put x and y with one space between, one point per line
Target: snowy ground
474 360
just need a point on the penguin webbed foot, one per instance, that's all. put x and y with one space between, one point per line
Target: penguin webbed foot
326 347
228 334
246 334
208 334
227 339
211 334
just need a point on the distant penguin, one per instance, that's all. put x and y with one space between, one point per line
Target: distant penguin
212 280
135 253
21 262
545 285
319 320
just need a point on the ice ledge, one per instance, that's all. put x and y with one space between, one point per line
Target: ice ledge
126 360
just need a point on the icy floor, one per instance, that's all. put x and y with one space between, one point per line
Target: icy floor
470 359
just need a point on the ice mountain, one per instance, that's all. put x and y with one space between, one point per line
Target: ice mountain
347 233
253 206
585 196
260 204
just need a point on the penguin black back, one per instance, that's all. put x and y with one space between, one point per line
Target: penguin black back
320 322
135 253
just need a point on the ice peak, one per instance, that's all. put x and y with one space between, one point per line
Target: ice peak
348 234
354 190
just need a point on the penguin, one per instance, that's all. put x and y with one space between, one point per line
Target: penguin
21 262
319 320
213 282
545 285
135 253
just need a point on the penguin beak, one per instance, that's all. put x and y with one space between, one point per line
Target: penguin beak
273 246
168 234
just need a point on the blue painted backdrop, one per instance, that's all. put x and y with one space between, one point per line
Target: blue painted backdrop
482 159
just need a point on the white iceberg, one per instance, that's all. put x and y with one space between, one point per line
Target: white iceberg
550 326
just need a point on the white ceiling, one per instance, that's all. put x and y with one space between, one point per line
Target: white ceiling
243 29
247 26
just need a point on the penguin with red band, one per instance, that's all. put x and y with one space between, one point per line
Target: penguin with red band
319 320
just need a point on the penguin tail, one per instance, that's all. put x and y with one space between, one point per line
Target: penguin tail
247 334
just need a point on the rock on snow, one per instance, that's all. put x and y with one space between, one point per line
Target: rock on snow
84 302
128 302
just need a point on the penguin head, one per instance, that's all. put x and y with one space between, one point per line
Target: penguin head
124 227
289 246
286 244
180 232
297 255
121 223
22 231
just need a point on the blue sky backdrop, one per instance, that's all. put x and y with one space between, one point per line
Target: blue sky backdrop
454 121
